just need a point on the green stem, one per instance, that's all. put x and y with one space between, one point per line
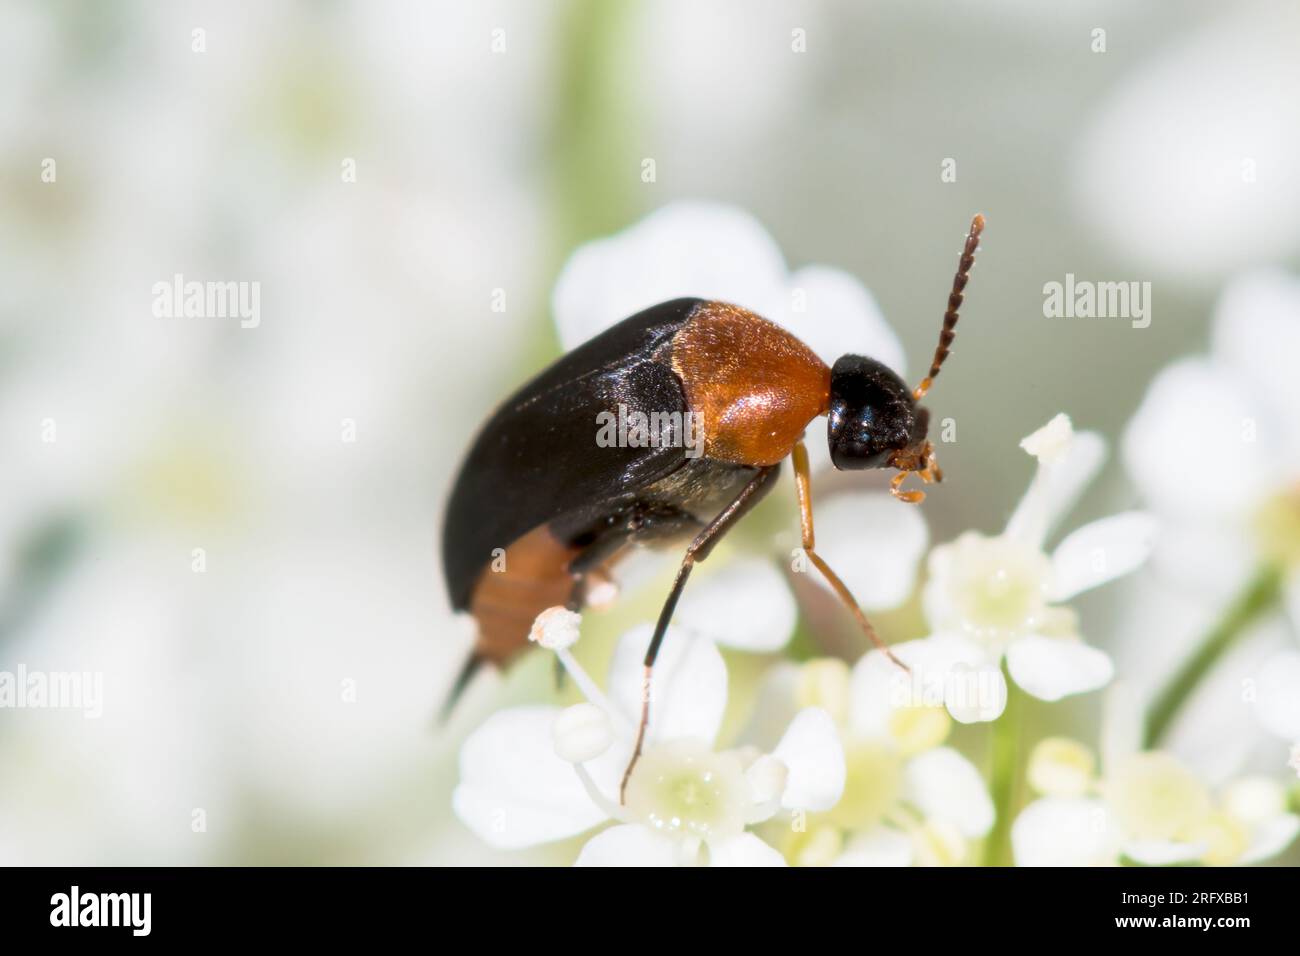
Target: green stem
1004 777
1261 594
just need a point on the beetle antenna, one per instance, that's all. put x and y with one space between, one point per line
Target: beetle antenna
947 334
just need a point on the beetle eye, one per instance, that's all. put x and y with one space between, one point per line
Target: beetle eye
854 448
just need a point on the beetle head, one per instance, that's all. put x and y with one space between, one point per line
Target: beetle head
873 417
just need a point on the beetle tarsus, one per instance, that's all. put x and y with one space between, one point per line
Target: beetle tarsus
640 736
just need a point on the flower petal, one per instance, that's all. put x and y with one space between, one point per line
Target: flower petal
1277 701
878 686
1163 852
1056 487
1185 115
1257 331
874 543
744 850
629 844
514 791
1050 668
746 605
838 316
688 690
1164 445
975 694
946 786
1058 831
774 707
879 846
704 249
1271 837
812 752
1099 552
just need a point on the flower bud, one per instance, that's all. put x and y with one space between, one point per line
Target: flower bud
1050 443
556 628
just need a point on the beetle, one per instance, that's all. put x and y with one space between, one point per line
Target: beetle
545 503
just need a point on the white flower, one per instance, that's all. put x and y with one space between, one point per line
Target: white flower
1208 127
908 799
1003 596
712 250
1217 527
556 629
1147 807
1277 695
531 775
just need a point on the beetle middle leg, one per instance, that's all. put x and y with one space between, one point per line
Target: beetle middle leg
803 487
698 550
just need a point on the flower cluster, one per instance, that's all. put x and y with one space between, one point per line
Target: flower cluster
1143 807
535 774
1000 598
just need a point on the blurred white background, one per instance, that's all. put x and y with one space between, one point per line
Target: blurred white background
289 690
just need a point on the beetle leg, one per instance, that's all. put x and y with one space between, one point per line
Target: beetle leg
896 489
698 550
803 487
932 471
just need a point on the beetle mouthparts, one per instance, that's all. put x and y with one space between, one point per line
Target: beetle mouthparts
920 461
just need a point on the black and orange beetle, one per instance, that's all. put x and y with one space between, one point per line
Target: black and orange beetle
557 508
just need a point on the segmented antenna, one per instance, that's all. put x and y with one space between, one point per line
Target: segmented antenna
947 334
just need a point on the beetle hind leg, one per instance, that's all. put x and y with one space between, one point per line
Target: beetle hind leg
697 550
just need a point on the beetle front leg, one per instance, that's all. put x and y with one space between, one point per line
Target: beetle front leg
803 487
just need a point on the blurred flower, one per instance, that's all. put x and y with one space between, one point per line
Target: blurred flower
1246 397
1201 185
1146 807
908 799
294 678
1217 526
990 597
1277 696
535 774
